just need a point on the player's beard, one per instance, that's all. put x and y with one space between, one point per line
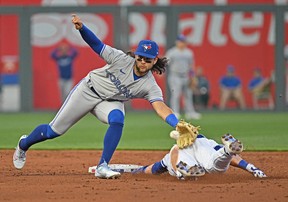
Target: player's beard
141 71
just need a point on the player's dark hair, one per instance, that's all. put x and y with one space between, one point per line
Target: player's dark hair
160 65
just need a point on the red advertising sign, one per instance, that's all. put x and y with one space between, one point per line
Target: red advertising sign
244 40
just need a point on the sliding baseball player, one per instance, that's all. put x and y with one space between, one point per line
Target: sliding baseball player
200 155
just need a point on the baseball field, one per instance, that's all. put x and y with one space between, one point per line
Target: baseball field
58 169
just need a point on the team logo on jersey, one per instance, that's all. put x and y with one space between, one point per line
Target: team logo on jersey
121 88
146 47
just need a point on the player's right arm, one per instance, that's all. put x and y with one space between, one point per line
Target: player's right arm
89 37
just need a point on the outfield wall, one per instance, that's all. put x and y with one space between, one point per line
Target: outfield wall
243 39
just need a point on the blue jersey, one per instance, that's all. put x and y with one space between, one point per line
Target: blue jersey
230 82
255 82
65 62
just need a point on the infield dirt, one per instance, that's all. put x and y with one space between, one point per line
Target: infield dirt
63 176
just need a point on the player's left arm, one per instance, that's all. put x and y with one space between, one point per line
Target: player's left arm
239 162
154 169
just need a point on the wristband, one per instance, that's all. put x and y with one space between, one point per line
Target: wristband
172 120
243 164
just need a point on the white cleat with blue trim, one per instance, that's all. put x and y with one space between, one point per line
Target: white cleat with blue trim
104 172
19 157
232 145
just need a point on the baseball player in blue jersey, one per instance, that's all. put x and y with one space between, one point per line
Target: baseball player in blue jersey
64 57
103 93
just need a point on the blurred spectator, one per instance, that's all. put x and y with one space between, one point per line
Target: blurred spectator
260 89
201 89
231 89
64 56
181 64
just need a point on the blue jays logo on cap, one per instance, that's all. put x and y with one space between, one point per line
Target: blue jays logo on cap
147 48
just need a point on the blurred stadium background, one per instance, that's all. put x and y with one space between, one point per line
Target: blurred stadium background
246 34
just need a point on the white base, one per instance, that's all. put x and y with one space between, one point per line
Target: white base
122 168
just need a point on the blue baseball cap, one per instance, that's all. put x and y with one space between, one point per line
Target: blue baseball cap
230 68
147 48
181 37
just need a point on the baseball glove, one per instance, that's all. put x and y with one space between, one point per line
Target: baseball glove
187 134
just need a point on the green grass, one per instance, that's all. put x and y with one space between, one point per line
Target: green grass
145 130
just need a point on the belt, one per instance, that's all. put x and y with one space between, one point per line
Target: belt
89 83
94 91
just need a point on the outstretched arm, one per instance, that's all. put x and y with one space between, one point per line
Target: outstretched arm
89 37
165 113
237 161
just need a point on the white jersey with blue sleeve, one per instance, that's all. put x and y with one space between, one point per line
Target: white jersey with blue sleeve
206 153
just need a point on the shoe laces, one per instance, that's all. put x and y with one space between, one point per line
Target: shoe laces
22 154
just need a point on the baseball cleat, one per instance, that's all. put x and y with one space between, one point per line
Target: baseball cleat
104 172
193 171
19 157
232 145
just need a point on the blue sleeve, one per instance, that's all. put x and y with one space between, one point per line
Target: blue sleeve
54 54
74 53
223 81
252 84
91 39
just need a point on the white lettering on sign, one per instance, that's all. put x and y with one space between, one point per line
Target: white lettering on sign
144 2
140 28
158 28
49 29
271 34
197 25
217 38
238 23
237 28
64 2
